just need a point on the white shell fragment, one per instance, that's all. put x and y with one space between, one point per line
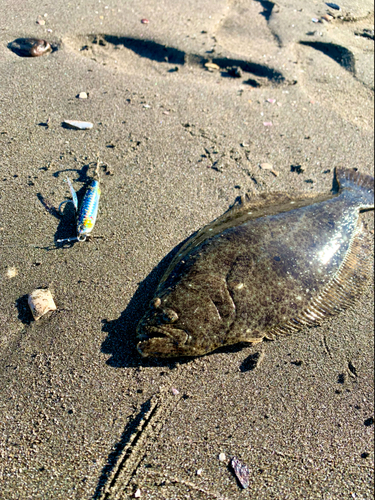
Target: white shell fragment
82 95
78 125
11 272
41 302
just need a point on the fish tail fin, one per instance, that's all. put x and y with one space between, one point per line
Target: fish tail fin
361 185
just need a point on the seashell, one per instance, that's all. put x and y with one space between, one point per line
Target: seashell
78 125
241 471
30 47
41 302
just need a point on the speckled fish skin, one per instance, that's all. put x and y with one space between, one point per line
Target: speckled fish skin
267 267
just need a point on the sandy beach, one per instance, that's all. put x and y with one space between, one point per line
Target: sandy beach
187 100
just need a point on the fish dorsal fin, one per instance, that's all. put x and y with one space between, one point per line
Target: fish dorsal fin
341 291
244 209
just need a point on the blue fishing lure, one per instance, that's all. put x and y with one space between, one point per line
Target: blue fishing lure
87 212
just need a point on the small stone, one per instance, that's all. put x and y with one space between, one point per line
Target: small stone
271 101
235 71
266 166
211 66
77 124
174 391
199 472
222 457
145 21
267 124
41 22
297 168
327 17
11 272
369 421
315 20
82 95
41 302
137 494
30 47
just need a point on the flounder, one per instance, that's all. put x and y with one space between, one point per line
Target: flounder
268 266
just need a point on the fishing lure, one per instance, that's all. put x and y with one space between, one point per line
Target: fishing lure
87 212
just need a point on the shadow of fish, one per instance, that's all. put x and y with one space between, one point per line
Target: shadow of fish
268 266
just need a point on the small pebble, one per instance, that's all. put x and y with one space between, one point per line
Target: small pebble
235 71
222 457
41 302
145 21
267 124
315 20
137 494
211 66
199 472
78 125
174 391
297 168
11 272
30 47
327 18
82 95
266 166
271 101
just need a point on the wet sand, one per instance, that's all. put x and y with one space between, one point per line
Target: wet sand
82 416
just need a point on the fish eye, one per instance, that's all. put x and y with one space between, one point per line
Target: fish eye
156 302
170 316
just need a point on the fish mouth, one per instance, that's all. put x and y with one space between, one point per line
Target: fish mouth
151 332
161 341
